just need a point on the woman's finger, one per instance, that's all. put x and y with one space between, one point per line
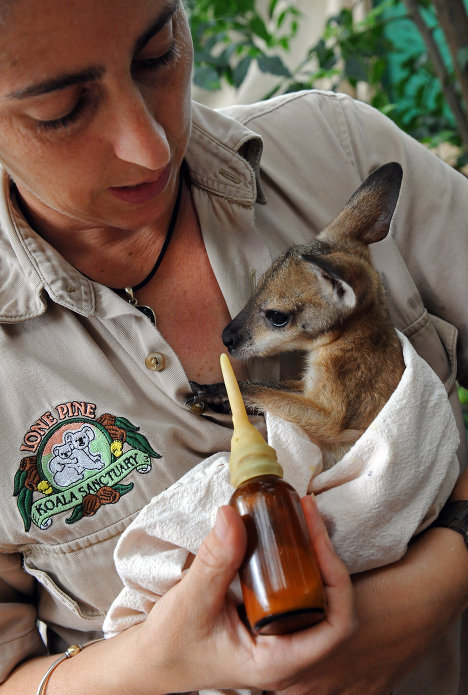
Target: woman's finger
217 561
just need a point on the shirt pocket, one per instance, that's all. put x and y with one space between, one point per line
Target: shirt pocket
436 341
77 580
432 337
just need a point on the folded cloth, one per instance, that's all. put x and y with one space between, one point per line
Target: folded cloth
389 486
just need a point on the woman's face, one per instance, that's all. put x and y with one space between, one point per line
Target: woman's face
95 108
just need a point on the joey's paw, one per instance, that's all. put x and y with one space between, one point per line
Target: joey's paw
211 395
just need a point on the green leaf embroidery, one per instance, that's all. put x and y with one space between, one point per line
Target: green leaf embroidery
20 477
138 441
24 503
76 515
125 424
122 488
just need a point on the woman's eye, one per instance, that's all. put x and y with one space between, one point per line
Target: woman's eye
278 319
157 61
68 118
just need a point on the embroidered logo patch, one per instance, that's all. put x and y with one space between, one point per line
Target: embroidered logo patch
77 462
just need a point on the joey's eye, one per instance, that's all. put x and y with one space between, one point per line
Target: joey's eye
278 319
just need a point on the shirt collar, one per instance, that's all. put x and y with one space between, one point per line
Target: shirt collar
223 157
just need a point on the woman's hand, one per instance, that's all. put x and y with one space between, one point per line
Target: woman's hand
194 639
403 611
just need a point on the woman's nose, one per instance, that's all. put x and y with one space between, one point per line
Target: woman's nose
138 137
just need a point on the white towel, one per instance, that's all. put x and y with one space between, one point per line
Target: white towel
388 487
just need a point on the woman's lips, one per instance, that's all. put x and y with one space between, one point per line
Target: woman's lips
143 192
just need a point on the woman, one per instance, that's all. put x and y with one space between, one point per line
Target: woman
104 232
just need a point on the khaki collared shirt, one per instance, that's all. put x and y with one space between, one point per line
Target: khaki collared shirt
93 429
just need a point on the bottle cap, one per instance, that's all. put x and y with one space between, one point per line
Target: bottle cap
250 456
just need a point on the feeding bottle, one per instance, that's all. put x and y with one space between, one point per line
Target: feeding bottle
280 578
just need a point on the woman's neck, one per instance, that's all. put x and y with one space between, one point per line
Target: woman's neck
109 255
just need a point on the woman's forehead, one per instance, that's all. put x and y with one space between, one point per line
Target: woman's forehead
22 18
40 37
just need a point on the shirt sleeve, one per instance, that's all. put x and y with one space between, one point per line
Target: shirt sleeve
431 219
20 638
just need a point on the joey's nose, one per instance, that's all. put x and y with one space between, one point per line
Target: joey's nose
231 337
228 337
236 335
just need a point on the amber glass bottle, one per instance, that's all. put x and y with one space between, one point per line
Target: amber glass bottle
280 578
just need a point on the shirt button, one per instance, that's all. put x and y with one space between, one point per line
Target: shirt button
155 361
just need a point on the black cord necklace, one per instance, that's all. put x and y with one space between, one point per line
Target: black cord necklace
130 291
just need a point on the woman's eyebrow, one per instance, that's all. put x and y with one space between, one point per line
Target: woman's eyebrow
156 26
57 83
92 73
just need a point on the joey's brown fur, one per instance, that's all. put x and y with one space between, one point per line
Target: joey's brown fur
326 298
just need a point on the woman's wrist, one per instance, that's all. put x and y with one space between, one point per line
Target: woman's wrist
454 514
107 667
95 670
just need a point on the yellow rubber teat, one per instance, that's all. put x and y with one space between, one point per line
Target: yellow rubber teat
250 456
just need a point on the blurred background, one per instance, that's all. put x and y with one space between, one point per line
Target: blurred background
408 58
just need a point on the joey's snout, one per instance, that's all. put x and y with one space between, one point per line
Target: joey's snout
235 336
232 337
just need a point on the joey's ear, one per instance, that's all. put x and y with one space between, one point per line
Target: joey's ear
368 213
332 285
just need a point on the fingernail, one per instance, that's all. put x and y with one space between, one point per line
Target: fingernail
221 525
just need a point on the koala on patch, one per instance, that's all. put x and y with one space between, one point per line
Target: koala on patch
79 441
64 465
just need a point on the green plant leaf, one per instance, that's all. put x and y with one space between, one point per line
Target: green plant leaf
240 71
355 69
258 27
462 58
272 8
206 77
273 65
